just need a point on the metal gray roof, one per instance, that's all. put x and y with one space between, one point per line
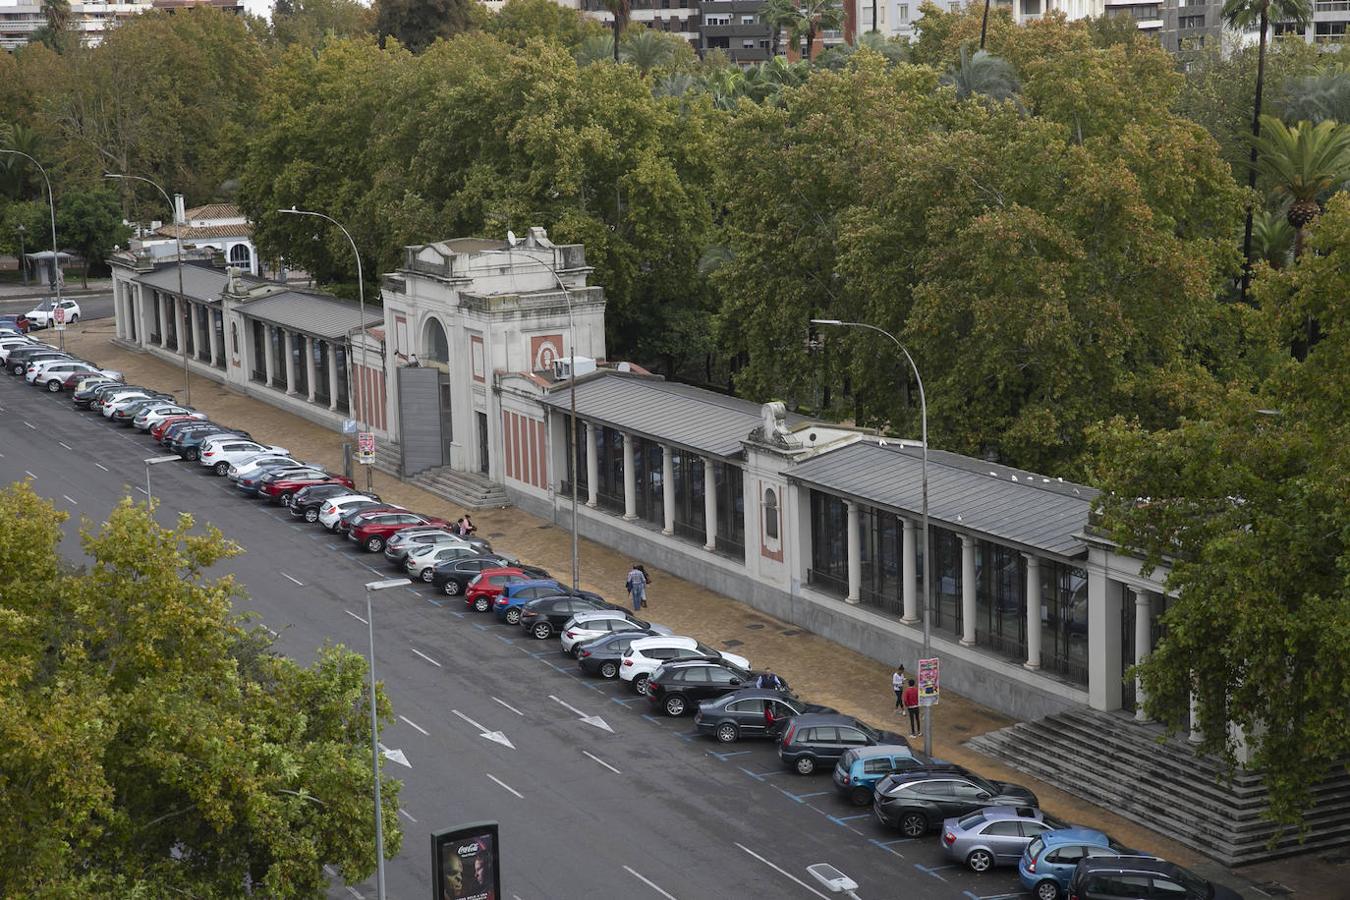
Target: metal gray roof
963 493
318 315
199 282
677 414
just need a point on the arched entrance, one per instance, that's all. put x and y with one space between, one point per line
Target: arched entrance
435 345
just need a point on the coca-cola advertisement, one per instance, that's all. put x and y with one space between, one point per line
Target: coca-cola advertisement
465 862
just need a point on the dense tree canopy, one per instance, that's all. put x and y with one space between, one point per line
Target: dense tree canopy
151 745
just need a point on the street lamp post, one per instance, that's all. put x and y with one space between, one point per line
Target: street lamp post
361 303
56 256
927 556
178 243
372 587
23 263
154 461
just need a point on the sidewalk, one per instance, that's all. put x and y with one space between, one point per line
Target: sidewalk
816 668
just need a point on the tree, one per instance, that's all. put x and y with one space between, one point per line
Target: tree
1301 164
1272 238
983 74
1317 98
520 21
1248 504
778 15
311 22
647 49
416 24
620 11
89 220
18 176
152 744
595 48
1243 15
811 18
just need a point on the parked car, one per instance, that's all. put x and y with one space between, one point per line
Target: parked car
308 501
335 508
10 341
20 357
545 616
18 321
44 314
219 454
587 626
77 380
120 401
511 601
740 714
86 394
604 655
280 486
814 740
678 687
1141 878
1050 859
917 802
126 413
484 588
53 374
861 769
257 465
251 485
995 835
397 548
452 578
421 563
647 655
376 529
355 517
151 416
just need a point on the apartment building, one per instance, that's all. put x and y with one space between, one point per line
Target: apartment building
90 19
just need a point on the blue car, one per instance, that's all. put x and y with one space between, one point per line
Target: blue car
508 604
1049 860
859 769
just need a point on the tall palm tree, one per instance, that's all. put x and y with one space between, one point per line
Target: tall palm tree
621 10
57 14
813 17
595 48
1272 238
1243 15
778 15
984 74
646 49
1302 164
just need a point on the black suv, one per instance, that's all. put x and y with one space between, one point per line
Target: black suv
545 616
917 802
812 741
452 578
741 714
677 687
1141 878
603 655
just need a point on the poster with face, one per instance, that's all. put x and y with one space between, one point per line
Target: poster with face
465 863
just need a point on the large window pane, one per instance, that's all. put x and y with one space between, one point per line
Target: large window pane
829 544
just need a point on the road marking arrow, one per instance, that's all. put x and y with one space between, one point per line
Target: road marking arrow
595 721
484 733
394 756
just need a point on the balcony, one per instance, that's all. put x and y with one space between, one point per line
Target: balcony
758 32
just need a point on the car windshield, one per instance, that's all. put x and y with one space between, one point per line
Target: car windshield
44 306
871 732
983 785
970 822
1034 848
1194 884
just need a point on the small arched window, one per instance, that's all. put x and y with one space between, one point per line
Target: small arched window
771 514
241 257
234 337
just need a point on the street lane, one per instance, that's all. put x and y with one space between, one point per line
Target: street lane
681 816
93 306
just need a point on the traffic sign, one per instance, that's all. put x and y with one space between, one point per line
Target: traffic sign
365 448
928 682
60 316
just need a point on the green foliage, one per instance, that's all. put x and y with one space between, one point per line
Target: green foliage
89 221
520 21
1317 98
34 217
1250 15
810 18
1301 164
152 746
1272 238
416 24
1250 505
983 74
310 23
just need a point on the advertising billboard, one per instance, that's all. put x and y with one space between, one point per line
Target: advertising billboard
465 863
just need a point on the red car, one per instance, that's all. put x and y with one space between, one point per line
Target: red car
157 432
375 529
488 585
282 489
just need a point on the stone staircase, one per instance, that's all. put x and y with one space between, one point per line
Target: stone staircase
466 489
1137 772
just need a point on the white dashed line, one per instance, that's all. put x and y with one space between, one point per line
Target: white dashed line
30 425
293 580
601 762
404 813
505 785
141 489
782 872
649 883
509 706
415 725
355 893
102 466
64 444
356 617
427 658
30 474
72 500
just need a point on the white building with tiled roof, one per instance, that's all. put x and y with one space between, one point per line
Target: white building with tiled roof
222 226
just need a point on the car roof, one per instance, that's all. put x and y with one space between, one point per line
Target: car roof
665 640
594 615
686 663
807 719
1075 836
991 813
1128 864
861 753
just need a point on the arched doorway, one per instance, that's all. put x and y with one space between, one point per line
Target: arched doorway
435 345
242 257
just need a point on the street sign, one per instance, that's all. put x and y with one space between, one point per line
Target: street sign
60 315
349 426
928 682
365 448
466 863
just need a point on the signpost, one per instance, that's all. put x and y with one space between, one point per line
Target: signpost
365 448
928 682
59 316
466 863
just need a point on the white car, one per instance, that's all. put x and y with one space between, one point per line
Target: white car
644 657
587 626
422 561
246 467
52 373
44 314
224 451
122 399
9 343
335 508
150 417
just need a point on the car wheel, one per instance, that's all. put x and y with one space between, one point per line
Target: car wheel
284 499
18 370
861 797
192 456
980 860
374 544
675 705
513 617
54 386
451 588
542 631
223 469
481 604
640 685
913 825
75 318
609 670
311 515
428 574
728 733
805 765
1047 890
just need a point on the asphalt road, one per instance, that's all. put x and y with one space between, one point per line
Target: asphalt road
643 807
94 306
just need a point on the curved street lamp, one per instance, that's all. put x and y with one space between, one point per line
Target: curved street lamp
56 257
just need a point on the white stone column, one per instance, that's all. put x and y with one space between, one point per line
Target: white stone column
1143 645
909 571
213 336
204 330
164 321
290 362
668 487
854 553
968 587
269 355
309 367
1033 611
592 464
709 505
1196 735
143 305
119 311
629 480
332 377
1104 663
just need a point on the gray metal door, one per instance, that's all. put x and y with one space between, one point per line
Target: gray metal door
419 424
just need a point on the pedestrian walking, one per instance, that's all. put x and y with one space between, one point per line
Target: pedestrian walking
770 682
912 706
637 586
646 601
898 685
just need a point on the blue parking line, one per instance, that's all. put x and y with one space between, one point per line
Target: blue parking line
504 639
848 818
974 896
651 718
885 845
688 736
933 871
759 776
457 615
630 700
412 591
332 546
726 756
434 602
480 626
539 654
801 798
